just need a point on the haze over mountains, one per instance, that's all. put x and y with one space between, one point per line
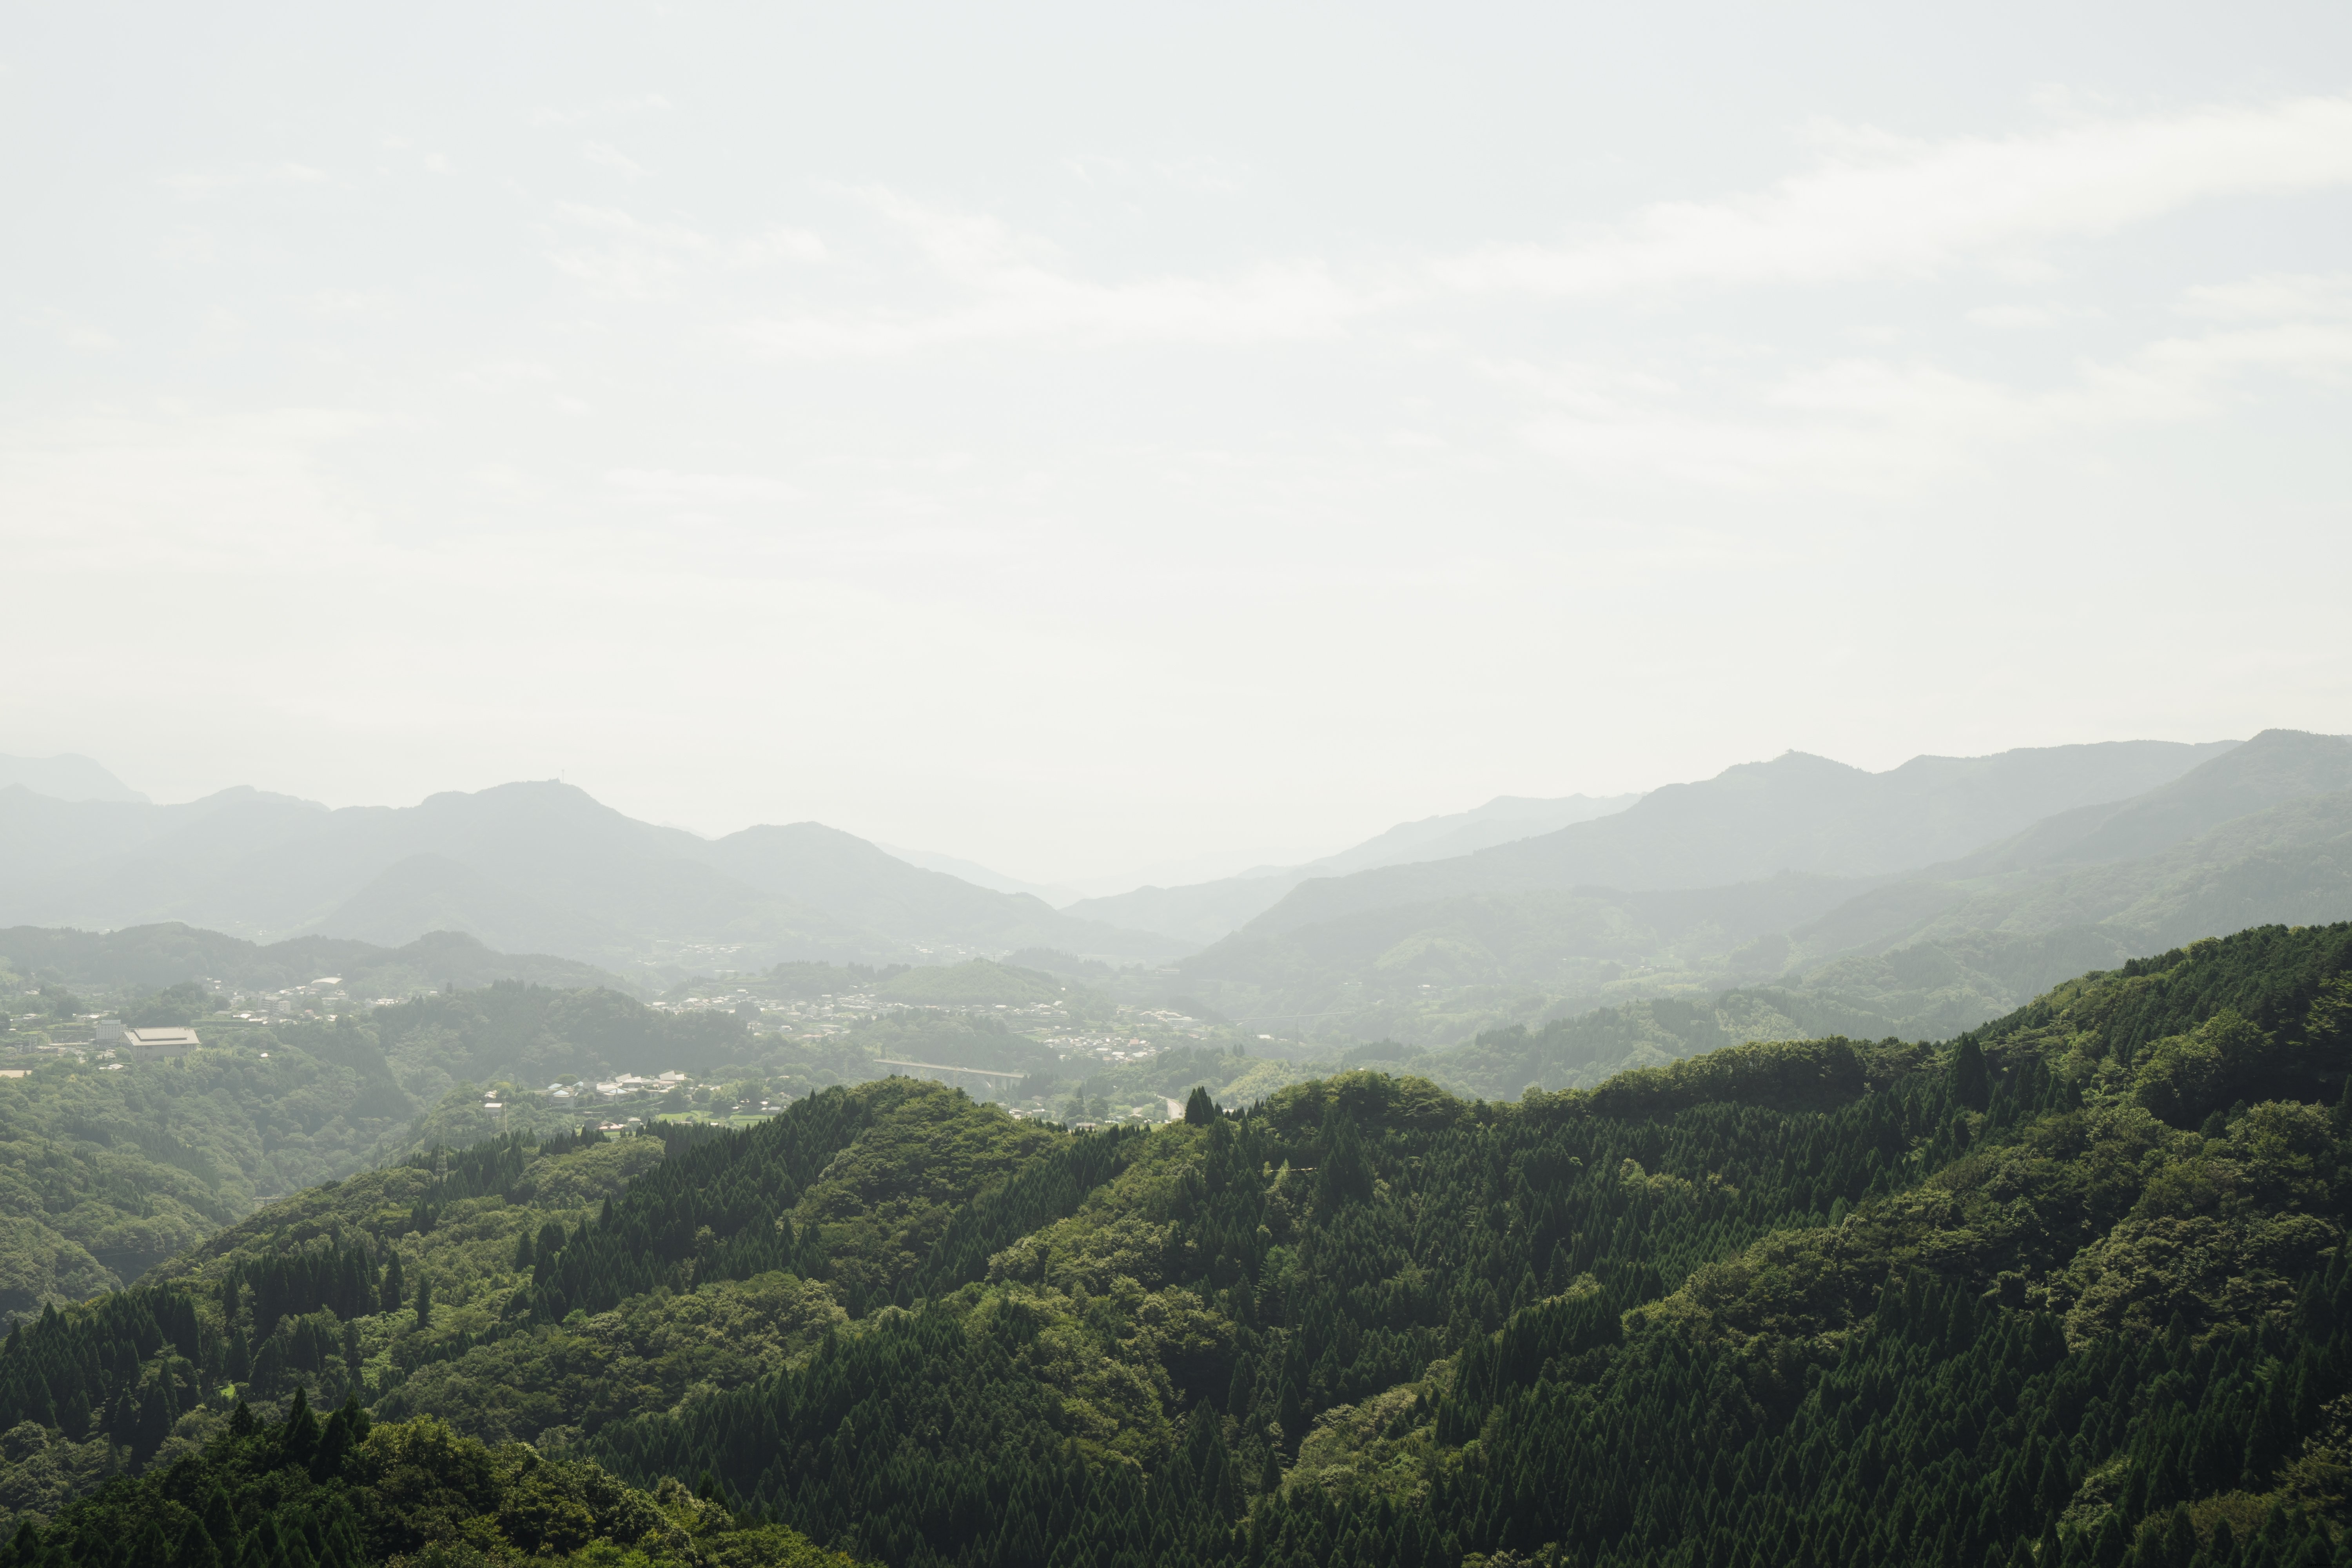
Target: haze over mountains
530 867
152 957
542 867
1203 911
2220 837
1919 900
1796 813
66 777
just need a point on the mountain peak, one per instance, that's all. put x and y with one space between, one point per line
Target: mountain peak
67 776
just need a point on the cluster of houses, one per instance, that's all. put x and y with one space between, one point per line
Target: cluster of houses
623 1086
615 1087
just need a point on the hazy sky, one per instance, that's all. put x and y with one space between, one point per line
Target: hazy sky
1076 437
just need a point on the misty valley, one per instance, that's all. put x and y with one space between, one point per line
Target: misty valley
1175 786
1947 1165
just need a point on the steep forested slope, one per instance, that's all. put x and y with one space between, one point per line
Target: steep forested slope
2070 1290
106 1168
103 1174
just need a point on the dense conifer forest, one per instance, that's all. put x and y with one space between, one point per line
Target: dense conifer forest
2068 1291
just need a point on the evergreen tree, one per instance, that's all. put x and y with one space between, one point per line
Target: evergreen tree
1971 1083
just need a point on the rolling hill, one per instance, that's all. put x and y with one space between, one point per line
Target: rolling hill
1797 813
2255 833
524 868
152 957
2070 1290
66 777
1203 911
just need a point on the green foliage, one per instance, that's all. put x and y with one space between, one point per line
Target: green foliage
552 1383
2071 1291
979 981
853 1186
351 1491
1593 1047
1971 1086
532 1033
944 1039
182 1004
108 1169
104 1174
125 1368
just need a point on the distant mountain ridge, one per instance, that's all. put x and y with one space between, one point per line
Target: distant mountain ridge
1203 911
981 876
66 777
1797 813
159 955
2253 833
532 867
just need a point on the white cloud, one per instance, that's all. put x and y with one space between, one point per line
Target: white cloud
1876 427
1881 207
221 494
347 301
629 257
545 117
504 373
197 184
605 156
2321 349
664 486
1011 285
73 332
1875 206
2018 317
2275 295
1204 176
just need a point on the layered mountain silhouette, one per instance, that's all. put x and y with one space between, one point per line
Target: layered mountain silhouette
1796 813
66 777
531 868
1203 911
1811 898
158 955
1922 899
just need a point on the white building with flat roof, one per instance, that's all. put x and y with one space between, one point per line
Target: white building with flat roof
154 1045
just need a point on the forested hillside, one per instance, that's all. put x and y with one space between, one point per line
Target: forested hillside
103 1174
109 1168
2070 1290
